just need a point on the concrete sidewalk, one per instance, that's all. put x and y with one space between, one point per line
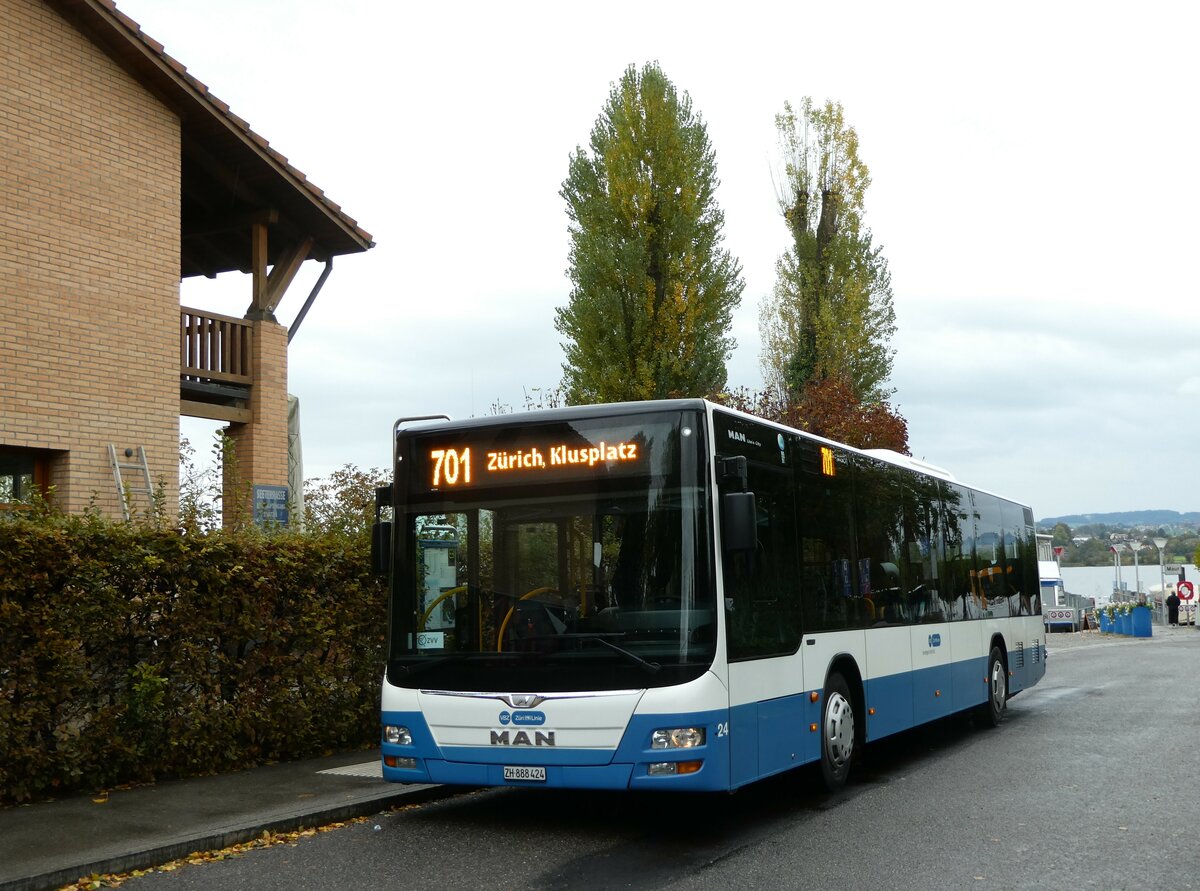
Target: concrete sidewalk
1059 641
54 843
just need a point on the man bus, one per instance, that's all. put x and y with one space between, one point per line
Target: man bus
674 595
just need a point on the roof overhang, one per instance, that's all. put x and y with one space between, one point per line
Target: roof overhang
231 177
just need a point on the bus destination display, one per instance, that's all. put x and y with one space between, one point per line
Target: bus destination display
447 467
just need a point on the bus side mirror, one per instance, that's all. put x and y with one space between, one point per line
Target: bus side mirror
739 522
381 548
381 533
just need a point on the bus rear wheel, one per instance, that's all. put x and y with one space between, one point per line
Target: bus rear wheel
837 733
992 711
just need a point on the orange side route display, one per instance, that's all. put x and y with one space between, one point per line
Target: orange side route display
465 467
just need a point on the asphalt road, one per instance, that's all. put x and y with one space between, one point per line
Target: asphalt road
1090 783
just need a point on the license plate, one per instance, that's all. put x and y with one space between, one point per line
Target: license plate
529 774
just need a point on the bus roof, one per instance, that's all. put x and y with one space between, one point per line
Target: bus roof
658 405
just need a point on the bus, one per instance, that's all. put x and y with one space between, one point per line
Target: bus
673 595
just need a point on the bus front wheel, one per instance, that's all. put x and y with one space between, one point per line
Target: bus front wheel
837 733
992 711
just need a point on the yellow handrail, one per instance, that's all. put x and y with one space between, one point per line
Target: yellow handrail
508 615
437 600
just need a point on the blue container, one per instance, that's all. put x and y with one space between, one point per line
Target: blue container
1141 621
1106 625
1125 623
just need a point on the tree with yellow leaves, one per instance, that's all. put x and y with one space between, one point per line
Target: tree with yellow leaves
653 290
830 316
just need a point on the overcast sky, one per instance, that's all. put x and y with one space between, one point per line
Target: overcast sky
1034 186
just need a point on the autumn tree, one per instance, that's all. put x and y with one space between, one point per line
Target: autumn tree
342 503
830 315
827 325
828 408
653 290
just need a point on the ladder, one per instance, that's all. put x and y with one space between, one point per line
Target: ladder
125 490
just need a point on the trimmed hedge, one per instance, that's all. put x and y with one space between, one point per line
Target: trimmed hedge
130 653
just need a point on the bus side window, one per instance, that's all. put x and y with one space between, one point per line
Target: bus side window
829 563
878 497
1020 555
762 591
922 544
957 571
990 564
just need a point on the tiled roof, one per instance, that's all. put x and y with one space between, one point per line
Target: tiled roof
204 115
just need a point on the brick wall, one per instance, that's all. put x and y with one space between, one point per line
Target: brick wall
89 259
261 447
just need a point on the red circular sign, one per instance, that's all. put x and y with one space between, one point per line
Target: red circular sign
1186 590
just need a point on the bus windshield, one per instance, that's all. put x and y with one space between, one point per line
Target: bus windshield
550 557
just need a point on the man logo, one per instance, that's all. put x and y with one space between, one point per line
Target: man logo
521 738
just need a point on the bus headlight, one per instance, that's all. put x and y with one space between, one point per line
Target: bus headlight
677 738
397 736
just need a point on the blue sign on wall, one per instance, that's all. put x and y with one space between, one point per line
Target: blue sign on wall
271 505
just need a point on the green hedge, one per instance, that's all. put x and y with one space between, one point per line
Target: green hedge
133 653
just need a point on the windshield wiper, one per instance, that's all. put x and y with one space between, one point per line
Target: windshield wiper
652 667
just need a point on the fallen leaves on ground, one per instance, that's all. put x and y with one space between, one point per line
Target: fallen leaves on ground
266 840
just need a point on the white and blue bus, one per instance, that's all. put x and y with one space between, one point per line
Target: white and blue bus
673 595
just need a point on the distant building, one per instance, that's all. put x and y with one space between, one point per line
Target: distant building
1049 573
121 175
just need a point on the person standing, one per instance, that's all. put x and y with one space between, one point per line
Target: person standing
1173 609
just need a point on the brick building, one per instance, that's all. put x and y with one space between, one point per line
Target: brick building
120 174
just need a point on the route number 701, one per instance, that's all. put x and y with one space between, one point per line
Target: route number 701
451 466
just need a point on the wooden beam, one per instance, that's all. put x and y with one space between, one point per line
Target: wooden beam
284 271
192 409
214 224
258 270
204 253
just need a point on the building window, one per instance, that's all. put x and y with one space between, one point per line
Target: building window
23 473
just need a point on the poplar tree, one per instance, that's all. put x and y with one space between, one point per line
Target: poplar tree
653 290
830 315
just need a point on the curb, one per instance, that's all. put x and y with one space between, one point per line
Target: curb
215 841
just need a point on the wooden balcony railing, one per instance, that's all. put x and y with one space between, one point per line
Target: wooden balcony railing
213 347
